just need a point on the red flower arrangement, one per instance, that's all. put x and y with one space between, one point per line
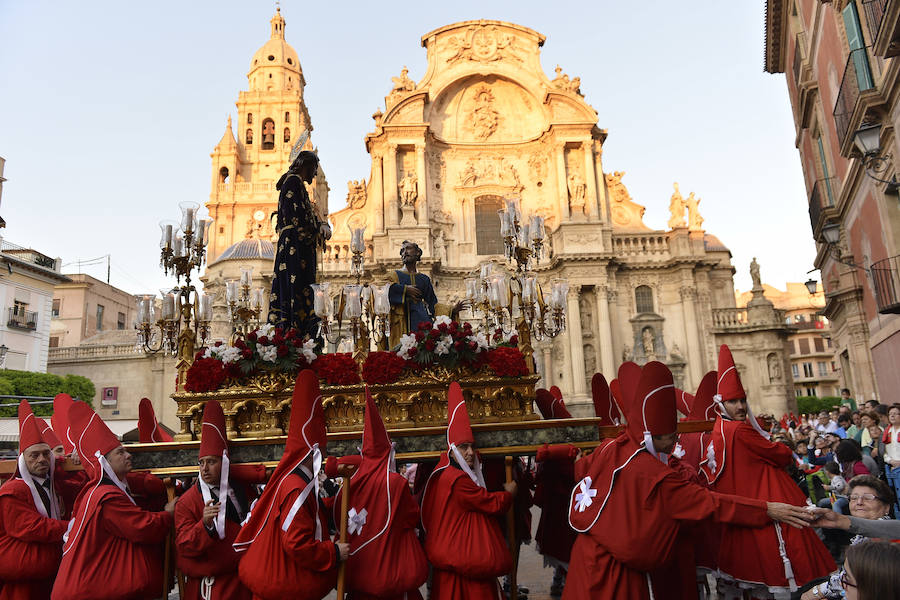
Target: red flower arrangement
507 362
382 367
205 375
337 369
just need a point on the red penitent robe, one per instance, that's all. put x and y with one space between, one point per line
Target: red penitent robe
200 553
291 564
636 531
392 565
749 465
113 549
463 541
30 545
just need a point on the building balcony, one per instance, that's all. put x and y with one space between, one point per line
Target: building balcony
886 275
883 20
821 198
858 100
22 319
28 255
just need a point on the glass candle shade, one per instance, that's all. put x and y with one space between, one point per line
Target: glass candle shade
167 231
321 301
168 307
188 216
246 275
357 239
472 287
205 311
382 300
231 290
352 303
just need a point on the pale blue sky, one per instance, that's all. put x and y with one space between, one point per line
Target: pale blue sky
108 111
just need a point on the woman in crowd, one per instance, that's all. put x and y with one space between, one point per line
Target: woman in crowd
870 500
891 440
871 572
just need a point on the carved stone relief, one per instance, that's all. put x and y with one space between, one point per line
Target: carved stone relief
586 309
590 361
482 170
356 194
482 43
483 117
562 82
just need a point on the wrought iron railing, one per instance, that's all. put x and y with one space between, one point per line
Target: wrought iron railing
886 276
822 197
857 78
22 319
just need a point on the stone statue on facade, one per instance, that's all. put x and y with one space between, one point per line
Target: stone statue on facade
484 117
774 368
754 274
356 194
409 189
648 344
676 209
403 83
440 245
576 191
695 221
627 354
562 82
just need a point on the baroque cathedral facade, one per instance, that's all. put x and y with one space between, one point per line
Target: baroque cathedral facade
486 123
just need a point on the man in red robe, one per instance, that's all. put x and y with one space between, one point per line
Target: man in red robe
386 558
208 517
628 504
287 551
701 409
149 429
112 546
770 561
554 479
31 530
463 540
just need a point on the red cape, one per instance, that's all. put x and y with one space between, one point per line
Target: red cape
30 544
749 465
112 552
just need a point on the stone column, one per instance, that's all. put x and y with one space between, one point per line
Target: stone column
607 363
689 314
573 324
390 186
612 299
590 182
546 352
377 185
600 182
421 187
563 183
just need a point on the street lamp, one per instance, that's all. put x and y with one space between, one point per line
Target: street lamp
868 140
812 286
831 235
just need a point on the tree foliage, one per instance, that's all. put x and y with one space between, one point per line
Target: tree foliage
28 383
813 404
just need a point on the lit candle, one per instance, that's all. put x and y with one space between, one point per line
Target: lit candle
486 270
246 275
177 244
320 301
382 301
471 288
256 299
537 227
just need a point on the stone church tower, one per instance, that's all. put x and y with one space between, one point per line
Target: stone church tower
271 115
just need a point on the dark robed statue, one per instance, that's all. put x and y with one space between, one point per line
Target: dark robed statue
300 232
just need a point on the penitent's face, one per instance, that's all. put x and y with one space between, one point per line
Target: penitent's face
37 459
736 409
211 469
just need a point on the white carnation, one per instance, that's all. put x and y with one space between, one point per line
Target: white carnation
265 330
406 342
308 350
480 339
268 353
442 319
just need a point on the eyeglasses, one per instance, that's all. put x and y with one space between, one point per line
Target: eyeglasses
866 497
845 583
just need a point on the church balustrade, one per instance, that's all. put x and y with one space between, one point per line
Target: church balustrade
724 318
88 352
640 244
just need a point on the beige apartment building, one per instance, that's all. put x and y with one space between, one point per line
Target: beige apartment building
85 306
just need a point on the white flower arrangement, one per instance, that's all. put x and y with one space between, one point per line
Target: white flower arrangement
308 350
407 342
268 353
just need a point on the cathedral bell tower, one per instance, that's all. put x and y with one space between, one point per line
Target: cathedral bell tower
254 151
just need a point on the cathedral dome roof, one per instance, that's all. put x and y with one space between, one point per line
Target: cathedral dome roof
248 249
276 52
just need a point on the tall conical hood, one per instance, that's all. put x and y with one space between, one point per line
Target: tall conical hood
149 429
551 406
683 401
729 385
604 405
213 438
376 443
93 439
703 406
306 438
29 431
459 429
60 420
50 437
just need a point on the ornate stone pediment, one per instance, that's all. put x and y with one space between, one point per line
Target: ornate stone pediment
481 43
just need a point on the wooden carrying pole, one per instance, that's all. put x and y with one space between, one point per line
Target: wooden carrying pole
511 535
345 507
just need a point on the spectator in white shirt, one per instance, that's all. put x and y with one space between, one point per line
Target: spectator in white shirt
825 424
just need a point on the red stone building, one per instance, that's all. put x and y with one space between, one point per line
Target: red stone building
842 81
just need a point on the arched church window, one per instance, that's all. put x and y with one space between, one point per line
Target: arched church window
223 175
287 135
487 225
287 117
268 134
643 299
249 118
249 136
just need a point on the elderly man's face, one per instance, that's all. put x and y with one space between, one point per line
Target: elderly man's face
823 417
468 453
37 459
409 253
120 461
